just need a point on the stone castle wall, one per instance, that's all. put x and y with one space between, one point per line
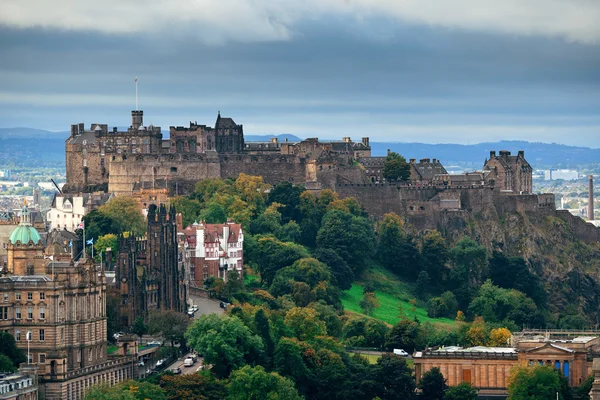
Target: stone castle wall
273 168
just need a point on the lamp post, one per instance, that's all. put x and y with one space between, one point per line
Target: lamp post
28 338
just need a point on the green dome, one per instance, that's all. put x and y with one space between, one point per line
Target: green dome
25 233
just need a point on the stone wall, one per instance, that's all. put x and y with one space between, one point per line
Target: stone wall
273 168
584 231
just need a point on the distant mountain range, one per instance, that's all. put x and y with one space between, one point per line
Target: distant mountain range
22 145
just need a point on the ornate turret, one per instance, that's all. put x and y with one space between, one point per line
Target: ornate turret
25 248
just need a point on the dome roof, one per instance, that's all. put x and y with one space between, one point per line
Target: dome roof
23 234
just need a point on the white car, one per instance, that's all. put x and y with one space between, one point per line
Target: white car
195 307
400 352
160 362
155 342
188 362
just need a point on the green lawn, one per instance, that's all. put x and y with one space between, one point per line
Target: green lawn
388 310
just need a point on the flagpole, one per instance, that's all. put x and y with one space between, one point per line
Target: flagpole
136 94
84 244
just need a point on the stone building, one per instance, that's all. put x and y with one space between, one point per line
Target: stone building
22 385
57 312
214 250
488 368
149 272
510 173
67 210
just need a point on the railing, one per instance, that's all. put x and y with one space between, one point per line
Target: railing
99 367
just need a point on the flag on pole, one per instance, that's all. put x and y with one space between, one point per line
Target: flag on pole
81 225
136 79
90 241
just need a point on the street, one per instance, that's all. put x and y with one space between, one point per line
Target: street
186 370
205 306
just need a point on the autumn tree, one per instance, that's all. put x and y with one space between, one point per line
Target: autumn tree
477 335
369 303
108 241
305 323
499 337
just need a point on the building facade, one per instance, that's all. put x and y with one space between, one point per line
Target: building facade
214 250
149 273
56 310
22 385
67 210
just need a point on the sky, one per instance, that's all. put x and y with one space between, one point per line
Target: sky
433 71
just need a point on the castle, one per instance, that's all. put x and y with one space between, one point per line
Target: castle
127 162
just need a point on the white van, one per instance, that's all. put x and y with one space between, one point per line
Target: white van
400 352
188 362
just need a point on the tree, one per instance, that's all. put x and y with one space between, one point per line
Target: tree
433 385
98 224
127 214
6 364
436 307
272 255
422 283
476 335
250 383
171 324
395 248
225 342
540 382
214 213
289 195
499 337
451 304
434 256
261 322
462 391
139 327
351 237
513 273
394 377
305 323
199 386
342 273
403 335
9 348
369 303
189 209
395 167
127 390
108 241
469 269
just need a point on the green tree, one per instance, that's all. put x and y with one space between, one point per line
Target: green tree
351 237
513 273
214 213
434 256
108 241
254 383
422 283
172 325
342 273
462 391
394 377
469 269
6 364
9 348
540 382
128 390
98 224
403 335
395 248
225 342
189 209
272 255
369 303
205 189
289 195
433 385
395 167
436 307
139 327
305 323
199 386
261 322
127 214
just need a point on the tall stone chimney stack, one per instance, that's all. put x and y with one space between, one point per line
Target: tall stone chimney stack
591 198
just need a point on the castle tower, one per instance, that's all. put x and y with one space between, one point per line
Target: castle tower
137 119
590 210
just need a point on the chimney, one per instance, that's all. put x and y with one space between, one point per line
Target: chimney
413 160
434 161
504 153
137 119
492 154
389 151
346 139
365 141
274 140
590 198
521 153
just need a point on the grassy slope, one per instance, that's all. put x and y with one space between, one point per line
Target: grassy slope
388 311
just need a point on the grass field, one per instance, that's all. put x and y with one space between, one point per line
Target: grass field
388 310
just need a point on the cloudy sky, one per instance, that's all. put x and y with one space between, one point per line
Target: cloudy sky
461 71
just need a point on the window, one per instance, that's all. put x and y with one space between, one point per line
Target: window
42 335
90 355
18 312
42 358
29 358
42 313
18 296
29 296
6 297
18 335
62 334
3 312
29 312
42 296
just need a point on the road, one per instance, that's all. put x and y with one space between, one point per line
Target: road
186 370
206 306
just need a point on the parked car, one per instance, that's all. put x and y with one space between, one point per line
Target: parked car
155 342
188 362
400 352
190 314
160 363
141 363
223 304
195 307
118 335
176 370
194 357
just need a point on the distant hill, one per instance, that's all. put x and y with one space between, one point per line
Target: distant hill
18 145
